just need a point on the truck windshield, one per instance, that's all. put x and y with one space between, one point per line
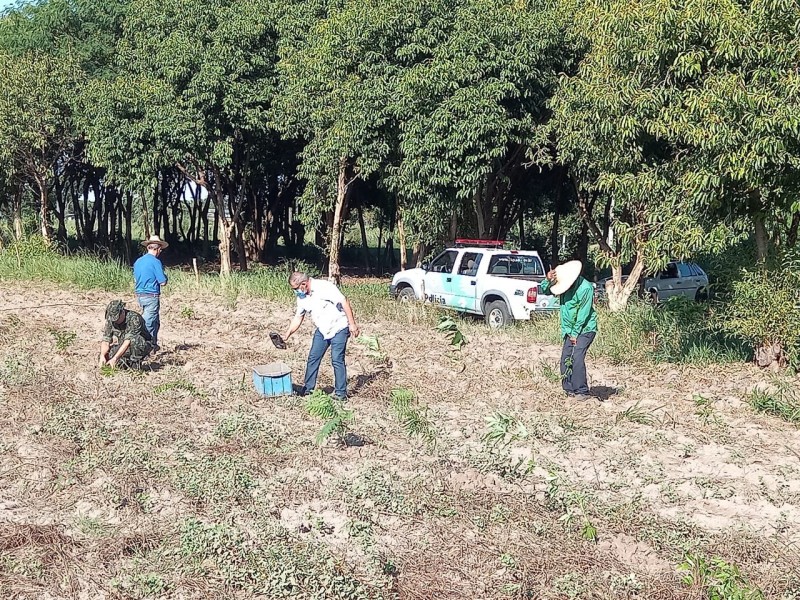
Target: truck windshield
515 264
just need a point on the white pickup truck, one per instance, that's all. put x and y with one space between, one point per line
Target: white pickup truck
500 285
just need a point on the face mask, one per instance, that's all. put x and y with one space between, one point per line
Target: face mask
300 294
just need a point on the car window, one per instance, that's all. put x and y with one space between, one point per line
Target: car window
698 271
515 264
671 272
685 270
469 264
444 262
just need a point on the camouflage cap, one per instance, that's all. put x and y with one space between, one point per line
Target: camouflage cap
114 310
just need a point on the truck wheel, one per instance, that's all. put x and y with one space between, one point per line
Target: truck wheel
498 315
406 295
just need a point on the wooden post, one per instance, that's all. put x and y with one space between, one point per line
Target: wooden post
196 272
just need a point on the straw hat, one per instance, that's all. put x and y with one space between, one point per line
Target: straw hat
154 239
566 275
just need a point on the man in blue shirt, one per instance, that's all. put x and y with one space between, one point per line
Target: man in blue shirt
148 274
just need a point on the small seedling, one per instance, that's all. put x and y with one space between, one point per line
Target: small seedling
503 429
450 328
414 418
549 372
63 338
372 347
187 312
337 418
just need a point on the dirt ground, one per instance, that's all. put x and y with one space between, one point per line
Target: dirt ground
181 482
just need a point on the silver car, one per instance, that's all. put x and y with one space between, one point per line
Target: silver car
685 279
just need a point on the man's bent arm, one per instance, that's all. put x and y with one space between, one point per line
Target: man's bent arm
293 326
123 348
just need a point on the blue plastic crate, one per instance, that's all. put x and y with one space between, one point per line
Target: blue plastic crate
273 379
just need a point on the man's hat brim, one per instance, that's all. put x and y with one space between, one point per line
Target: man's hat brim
566 275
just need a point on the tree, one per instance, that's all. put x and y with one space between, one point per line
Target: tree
652 160
336 83
199 79
472 103
36 121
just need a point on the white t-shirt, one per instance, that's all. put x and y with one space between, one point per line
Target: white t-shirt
325 305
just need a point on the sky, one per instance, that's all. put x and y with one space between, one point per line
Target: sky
4 4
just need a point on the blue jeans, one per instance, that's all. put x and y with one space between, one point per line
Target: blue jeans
319 345
150 307
573 364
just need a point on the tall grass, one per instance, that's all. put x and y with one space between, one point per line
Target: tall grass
31 260
677 331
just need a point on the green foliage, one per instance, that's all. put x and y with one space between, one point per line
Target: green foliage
502 429
373 347
187 312
414 418
337 418
451 331
720 580
30 259
244 426
141 585
63 338
764 308
218 482
780 400
179 385
268 561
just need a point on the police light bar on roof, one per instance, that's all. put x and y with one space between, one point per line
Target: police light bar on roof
461 242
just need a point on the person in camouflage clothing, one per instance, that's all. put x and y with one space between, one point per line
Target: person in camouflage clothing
133 342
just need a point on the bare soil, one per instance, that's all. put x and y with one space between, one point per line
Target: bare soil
182 482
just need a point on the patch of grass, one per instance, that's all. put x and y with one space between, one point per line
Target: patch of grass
141 585
243 426
719 579
179 385
549 372
63 338
17 369
214 481
270 562
780 401
187 312
636 414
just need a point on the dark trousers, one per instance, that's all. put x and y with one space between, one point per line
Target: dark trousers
319 345
573 364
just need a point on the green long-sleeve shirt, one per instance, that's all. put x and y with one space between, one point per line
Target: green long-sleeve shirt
577 308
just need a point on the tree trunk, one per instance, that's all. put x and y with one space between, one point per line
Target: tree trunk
364 243
521 225
16 209
454 226
44 215
145 216
618 292
477 204
791 238
401 234
335 240
762 242
418 254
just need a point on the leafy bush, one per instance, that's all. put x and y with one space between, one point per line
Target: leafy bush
763 309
